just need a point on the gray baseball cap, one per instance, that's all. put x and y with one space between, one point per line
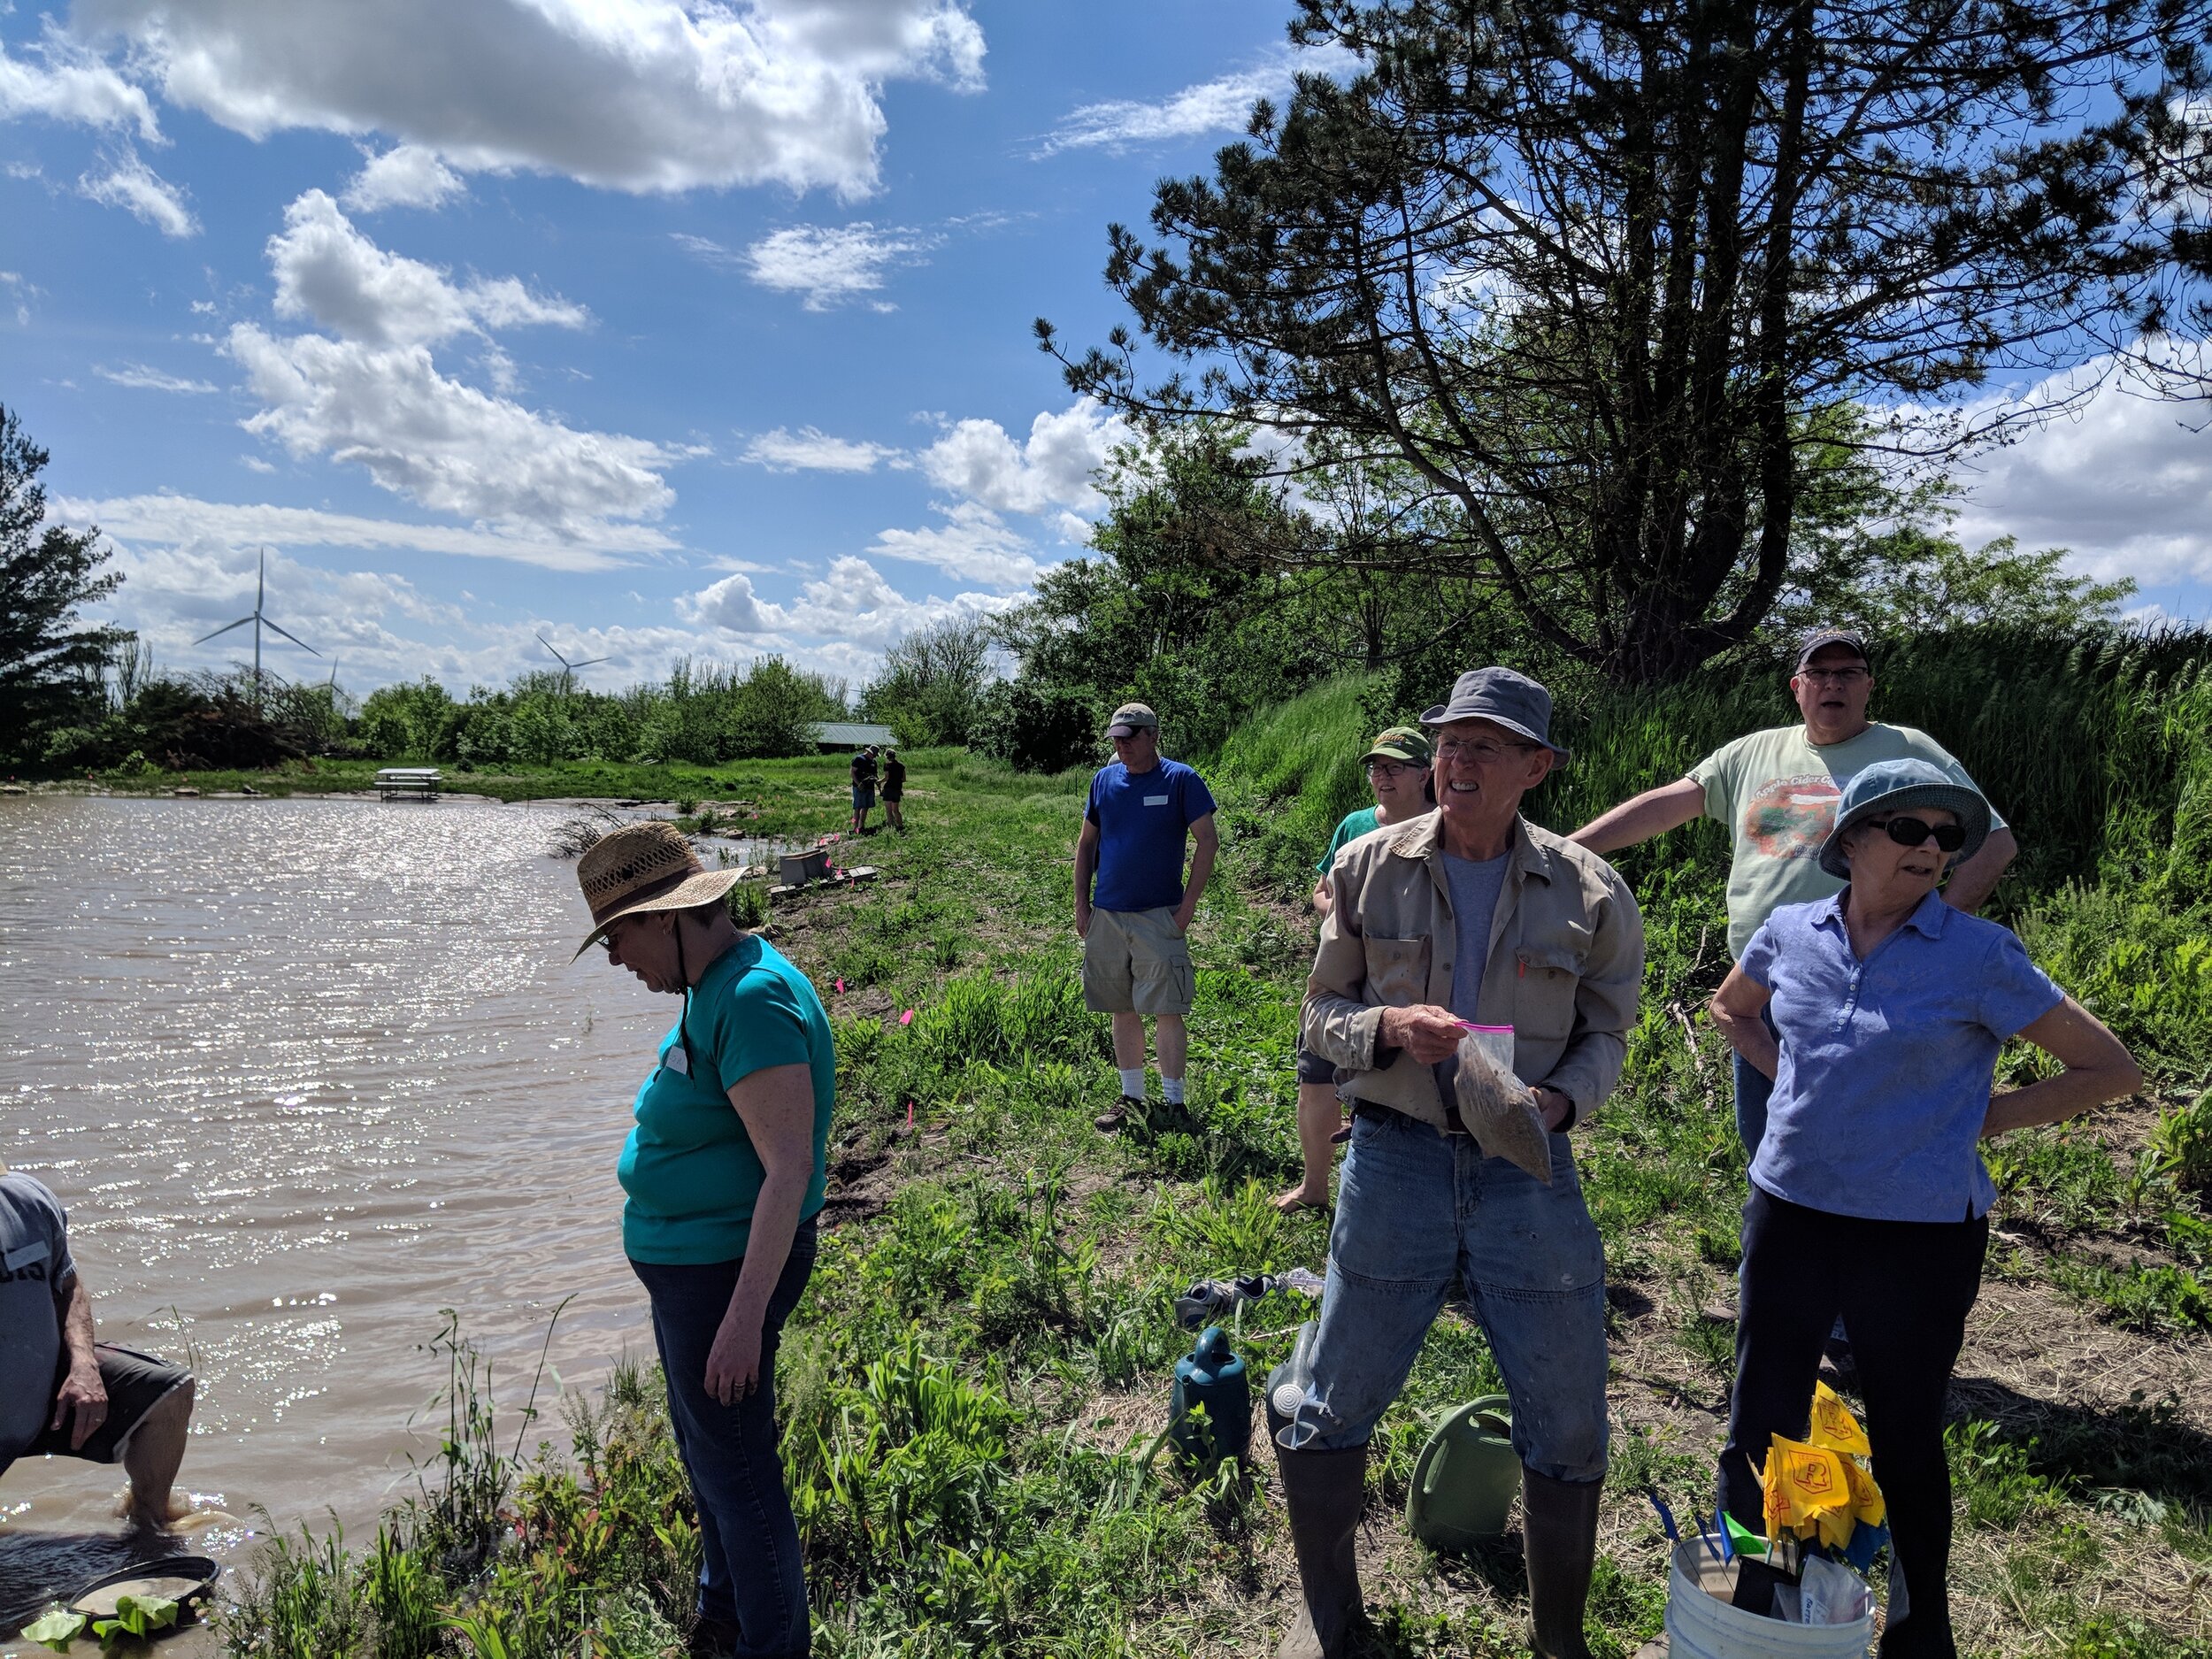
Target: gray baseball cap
1821 638
1503 698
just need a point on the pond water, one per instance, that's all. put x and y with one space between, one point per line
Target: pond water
305 1072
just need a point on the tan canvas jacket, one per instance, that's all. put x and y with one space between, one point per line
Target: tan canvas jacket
1565 965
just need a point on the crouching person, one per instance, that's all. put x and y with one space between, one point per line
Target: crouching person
1470 914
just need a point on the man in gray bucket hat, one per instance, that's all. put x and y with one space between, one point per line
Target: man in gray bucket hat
1470 915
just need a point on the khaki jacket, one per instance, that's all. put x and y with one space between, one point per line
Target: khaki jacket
1565 965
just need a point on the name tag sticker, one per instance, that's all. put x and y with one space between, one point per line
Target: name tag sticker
1156 799
677 1061
15 1261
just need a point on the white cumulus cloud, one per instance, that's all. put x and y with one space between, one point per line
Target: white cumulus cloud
1052 467
827 265
642 96
812 451
851 603
130 184
441 442
71 83
331 274
2124 480
973 544
406 175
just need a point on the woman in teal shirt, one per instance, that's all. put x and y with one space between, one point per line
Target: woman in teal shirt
725 1174
1397 768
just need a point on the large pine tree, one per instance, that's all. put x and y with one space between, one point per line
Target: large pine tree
49 665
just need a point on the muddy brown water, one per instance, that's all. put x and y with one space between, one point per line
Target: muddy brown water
305 1072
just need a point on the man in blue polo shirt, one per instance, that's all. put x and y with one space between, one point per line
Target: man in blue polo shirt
1136 962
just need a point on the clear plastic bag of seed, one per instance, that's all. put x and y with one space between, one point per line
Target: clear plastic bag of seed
1498 1109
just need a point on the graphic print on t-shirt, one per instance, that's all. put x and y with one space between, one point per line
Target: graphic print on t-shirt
1789 817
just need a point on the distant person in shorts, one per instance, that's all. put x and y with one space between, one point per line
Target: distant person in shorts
1142 810
864 789
1777 791
62 1394
893 790
1397 769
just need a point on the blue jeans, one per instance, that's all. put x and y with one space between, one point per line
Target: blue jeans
1418 1211
748 1556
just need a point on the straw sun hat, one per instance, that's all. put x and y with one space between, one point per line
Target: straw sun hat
640 867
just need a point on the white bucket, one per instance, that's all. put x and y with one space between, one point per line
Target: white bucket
1702 1625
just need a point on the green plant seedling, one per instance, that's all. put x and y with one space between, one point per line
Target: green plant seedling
57 1630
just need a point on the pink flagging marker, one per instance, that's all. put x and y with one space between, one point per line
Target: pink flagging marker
841 987
907 1018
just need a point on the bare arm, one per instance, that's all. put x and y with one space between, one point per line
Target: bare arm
2099 1068
1654 812
1205 847
777 1104
1735 1009
1973 881
81 1391
1321 899
1086 866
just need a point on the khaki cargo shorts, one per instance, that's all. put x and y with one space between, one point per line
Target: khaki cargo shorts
1135 962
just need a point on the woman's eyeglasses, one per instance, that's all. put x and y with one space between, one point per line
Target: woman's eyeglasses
1391 768
1914 831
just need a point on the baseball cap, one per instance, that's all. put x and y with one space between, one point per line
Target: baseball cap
1130 718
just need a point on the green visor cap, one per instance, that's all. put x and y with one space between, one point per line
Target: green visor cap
1400 742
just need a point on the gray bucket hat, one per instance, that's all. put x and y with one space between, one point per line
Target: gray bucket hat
1894 785
1503 698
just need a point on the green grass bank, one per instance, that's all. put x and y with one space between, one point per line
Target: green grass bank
973 1385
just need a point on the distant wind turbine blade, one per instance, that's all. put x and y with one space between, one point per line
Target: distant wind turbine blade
588 661
225 628
295 638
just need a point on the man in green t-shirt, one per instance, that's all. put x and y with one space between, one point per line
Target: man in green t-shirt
1777 790
1397 769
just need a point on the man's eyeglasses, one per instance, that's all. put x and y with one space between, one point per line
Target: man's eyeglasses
1392 769
1832 676
1914 831
1484 751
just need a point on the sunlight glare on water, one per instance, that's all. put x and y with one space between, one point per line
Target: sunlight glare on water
304 1072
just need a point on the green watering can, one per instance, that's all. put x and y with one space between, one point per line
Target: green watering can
1466 1478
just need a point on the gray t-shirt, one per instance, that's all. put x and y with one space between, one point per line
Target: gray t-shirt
1475 890
34 1258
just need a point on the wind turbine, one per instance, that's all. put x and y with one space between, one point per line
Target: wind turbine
260 590
568 669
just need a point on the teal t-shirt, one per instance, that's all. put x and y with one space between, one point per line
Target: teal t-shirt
689 1167
1355 826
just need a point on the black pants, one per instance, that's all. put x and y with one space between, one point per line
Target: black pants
1904 1288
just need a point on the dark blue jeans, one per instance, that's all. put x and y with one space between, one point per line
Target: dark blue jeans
749 1572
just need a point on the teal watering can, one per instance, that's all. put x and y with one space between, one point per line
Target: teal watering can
1213 1377
1466 1478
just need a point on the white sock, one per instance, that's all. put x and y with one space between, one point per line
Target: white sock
1172 1087
1132 1082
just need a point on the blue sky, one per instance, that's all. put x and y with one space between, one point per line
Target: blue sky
664 329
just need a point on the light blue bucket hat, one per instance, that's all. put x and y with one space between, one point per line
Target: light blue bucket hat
1895 785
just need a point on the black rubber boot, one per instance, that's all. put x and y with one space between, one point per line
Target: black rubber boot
1559 1537
1324 1491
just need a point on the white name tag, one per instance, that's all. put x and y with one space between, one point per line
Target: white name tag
17 1260
1156 799
677 1061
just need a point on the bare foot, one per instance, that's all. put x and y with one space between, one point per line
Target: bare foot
1302 1197
178 1508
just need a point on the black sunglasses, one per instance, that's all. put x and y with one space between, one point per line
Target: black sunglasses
1912 832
